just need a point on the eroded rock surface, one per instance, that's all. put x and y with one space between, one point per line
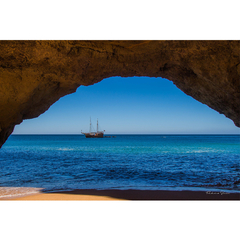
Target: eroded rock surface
35 74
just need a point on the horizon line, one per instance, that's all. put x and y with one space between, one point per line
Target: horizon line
129 134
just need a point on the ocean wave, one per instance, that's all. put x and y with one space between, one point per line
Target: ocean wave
205 151
66 149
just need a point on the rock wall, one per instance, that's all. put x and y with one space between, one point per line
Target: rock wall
35 74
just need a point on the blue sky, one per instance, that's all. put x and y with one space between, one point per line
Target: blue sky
129 105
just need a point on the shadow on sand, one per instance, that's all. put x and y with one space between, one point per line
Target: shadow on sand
154 194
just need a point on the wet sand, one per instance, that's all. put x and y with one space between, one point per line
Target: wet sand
110 195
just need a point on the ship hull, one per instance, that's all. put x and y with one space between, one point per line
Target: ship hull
95 135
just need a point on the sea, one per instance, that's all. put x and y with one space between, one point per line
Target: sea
33 163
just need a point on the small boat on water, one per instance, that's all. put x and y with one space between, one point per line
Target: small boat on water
97 134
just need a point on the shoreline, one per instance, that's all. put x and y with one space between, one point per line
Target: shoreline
119 195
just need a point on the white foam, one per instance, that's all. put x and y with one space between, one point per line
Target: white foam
65 149
205 151
10 192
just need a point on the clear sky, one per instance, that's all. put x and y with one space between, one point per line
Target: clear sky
129 105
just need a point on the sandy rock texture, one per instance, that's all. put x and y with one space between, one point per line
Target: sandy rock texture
35 74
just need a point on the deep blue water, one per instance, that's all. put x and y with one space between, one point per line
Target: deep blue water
65 162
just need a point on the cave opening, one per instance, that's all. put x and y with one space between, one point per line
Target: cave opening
132 105
160 144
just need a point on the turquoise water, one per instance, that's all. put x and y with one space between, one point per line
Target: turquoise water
67 162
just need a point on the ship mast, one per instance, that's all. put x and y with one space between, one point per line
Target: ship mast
90 130
97 124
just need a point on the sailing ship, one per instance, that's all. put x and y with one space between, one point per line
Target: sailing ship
97 134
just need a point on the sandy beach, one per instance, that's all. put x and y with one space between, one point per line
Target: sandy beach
111 195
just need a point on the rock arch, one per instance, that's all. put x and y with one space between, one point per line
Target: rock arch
35 74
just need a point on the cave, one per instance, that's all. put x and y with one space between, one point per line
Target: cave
36 74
